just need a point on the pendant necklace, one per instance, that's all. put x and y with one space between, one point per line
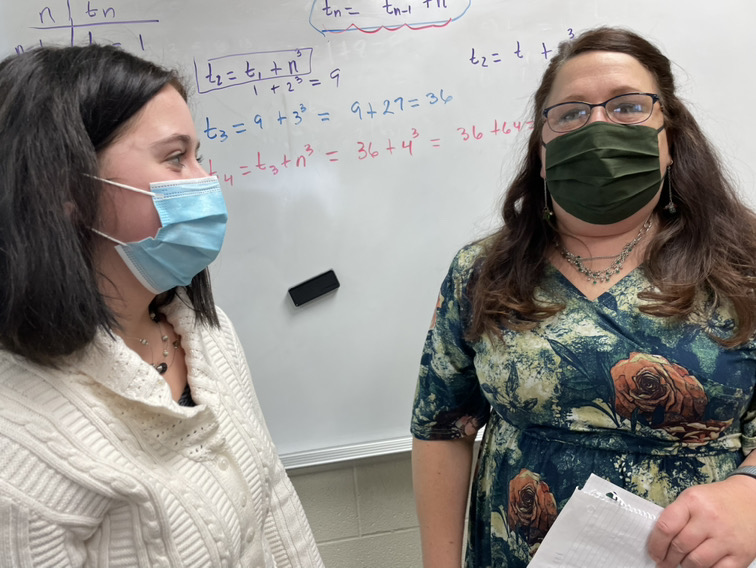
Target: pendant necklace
615 267
161 367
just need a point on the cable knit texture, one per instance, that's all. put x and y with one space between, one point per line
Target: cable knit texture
100 467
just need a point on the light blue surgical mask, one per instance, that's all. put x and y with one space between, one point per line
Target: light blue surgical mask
193 219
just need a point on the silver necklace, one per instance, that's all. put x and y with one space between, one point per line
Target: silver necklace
161 367
615 267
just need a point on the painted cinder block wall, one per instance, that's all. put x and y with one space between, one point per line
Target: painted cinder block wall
362 512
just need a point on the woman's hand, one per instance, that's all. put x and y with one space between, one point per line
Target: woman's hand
708 526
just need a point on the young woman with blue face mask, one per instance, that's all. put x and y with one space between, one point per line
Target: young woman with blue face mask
130 430
607 327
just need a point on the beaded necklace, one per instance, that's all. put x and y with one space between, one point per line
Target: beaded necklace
615 267
161 367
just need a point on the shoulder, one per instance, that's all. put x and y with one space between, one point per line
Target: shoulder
226 354
25 384
184 319
55 431
226 326
470 255
225 335
466 261
49 406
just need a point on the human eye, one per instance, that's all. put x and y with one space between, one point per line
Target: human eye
629 108
177 159
567 114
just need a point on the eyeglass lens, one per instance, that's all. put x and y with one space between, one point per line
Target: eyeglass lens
624 109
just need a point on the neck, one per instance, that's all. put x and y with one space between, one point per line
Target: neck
126 297
132 314
133 327
606 256
156 343
602 242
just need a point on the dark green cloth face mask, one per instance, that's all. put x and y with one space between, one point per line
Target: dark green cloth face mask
603 172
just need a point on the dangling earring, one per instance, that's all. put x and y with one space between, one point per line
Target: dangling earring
547 213
670 207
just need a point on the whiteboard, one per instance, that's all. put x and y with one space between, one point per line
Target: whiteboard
374 138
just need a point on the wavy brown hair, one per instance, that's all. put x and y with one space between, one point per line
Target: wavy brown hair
708 246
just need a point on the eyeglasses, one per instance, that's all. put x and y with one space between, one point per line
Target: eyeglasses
630 108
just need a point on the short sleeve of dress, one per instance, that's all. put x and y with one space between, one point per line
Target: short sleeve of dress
449 403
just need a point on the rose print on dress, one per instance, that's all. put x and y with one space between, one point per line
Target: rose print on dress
647 383
532 507
698 433
451 426
666 395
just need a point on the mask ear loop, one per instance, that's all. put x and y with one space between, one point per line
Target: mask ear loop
670 207
123 185
116 241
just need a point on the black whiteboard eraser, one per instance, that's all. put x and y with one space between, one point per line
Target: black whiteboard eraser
314 288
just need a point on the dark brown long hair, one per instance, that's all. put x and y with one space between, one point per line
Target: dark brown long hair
708 245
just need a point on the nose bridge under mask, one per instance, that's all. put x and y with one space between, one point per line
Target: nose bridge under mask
545 145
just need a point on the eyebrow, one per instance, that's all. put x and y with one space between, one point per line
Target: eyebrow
183 138
621 90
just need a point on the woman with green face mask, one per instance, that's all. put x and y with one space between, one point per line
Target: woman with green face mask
607 327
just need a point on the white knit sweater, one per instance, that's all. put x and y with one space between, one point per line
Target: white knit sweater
100 467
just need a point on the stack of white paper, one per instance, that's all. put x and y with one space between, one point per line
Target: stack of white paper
601 525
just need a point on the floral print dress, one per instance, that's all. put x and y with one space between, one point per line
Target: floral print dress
651 404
